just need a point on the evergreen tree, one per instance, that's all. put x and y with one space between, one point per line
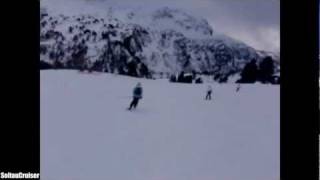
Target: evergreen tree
266 70
249 73
181 77
173 78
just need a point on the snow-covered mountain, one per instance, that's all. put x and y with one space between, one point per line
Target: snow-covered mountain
165 40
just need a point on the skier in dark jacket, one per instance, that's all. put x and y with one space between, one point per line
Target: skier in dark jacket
209 91
137 95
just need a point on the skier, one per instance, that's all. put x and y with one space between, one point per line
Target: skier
209 91
137 95
238 88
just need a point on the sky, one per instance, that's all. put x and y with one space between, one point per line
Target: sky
255 22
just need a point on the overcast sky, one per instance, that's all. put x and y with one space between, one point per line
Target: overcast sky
256 22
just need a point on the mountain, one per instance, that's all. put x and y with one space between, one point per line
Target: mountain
165 40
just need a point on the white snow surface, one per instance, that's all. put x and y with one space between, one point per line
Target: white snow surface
174 134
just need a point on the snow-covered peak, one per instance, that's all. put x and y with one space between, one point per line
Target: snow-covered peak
172 19
191 26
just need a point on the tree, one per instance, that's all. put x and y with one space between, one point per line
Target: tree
58 65
194 74
181 77
79 59
144 71
199 80
132 68
45 65
173 78
266 70
249 73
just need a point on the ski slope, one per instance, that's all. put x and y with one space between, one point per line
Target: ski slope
174 134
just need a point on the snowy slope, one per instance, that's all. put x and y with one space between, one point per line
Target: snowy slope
175 134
